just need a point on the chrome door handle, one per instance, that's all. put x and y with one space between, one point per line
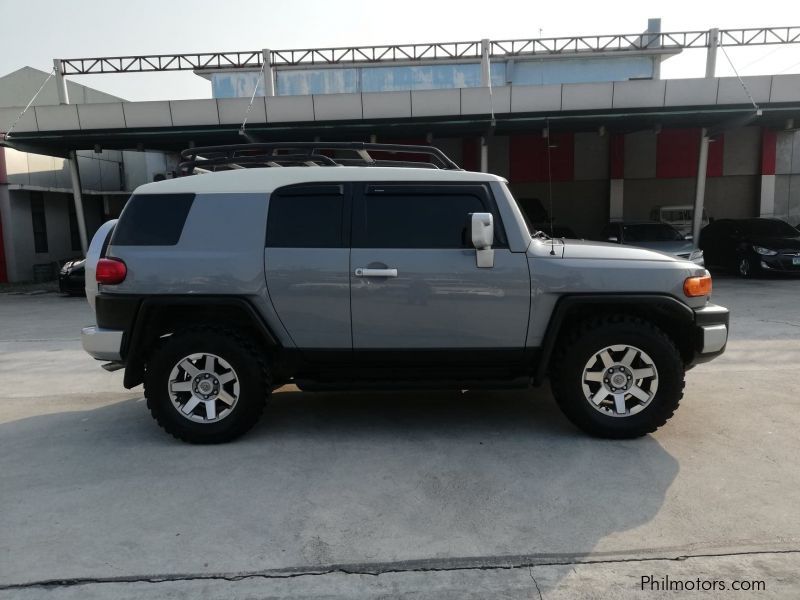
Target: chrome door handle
375 272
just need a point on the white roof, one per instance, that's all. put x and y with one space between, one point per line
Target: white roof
267 179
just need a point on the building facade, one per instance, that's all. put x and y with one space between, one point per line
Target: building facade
586 135
37 210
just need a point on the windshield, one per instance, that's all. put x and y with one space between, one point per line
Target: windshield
768 228
650 232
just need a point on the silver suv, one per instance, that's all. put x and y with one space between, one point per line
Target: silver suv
327 266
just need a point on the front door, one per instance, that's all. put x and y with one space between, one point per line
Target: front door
416 288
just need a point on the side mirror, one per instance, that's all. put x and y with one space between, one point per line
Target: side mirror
613 238
483 238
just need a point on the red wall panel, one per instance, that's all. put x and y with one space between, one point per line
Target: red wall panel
470 157
677 151
3 179
528 157
769 151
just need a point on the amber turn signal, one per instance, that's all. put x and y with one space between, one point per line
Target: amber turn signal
697 286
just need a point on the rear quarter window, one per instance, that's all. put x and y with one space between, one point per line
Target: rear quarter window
152 220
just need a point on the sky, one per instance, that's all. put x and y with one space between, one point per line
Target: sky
36 31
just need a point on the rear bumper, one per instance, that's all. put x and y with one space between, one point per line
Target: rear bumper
102 344
711 324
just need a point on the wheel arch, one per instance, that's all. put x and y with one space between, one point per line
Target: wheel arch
668 313
159 316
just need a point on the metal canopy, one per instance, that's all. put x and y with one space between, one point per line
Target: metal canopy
589 44
175 139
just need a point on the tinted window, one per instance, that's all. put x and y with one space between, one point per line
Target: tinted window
767 228
424 220
152 220
306 217
650 232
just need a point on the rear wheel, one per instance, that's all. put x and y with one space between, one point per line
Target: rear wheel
206 385
617 377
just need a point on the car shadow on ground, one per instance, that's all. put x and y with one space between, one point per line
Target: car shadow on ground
376 480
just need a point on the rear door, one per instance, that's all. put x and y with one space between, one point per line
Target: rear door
416 285
306 262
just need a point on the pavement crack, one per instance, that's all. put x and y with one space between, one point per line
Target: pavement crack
377 569
538 591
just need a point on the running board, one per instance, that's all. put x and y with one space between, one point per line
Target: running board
113 366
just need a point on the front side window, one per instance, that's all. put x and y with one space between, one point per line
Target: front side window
307 217
390 218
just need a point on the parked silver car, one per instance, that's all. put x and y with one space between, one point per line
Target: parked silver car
655 236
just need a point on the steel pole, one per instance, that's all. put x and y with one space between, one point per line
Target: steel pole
700 189
269 79
711 53
484 154
76 194
72 159
486 71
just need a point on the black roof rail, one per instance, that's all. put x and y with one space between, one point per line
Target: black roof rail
279 154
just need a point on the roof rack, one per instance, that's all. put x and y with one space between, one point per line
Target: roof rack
284 154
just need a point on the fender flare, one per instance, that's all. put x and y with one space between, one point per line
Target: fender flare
662 302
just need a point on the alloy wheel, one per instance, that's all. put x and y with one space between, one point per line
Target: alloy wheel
620 380
203 387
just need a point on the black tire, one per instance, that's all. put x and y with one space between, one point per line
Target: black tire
235 348
746 267
591 336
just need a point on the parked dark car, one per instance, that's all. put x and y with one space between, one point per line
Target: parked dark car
72 278
752 246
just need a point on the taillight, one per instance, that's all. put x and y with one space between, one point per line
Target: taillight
697 286
110 271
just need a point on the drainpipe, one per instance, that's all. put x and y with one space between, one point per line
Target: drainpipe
72 158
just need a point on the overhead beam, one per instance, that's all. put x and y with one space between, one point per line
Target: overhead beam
444 51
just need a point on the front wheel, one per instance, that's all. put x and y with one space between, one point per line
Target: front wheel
617 377
206 385
746 267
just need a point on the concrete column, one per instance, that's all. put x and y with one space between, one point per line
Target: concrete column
700 188
486 70
72 159
711 53
769 155
484 154
269 76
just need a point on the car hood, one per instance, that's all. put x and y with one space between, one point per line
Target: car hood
775 243
675 247
587 249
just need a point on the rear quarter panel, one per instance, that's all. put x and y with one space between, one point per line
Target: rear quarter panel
220 251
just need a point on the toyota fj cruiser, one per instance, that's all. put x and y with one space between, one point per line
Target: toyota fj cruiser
329 267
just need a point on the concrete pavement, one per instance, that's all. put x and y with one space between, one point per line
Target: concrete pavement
440 492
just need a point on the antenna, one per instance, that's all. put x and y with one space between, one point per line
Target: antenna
549 186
